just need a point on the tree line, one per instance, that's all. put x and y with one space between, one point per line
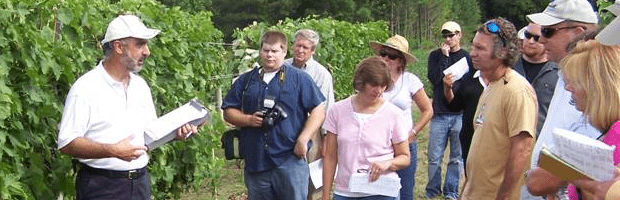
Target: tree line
418 20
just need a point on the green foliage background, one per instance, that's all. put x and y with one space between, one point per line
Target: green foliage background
46 45
343 45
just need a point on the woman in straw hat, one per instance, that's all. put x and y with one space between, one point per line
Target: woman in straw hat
407 89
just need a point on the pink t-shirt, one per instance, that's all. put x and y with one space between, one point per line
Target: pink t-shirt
362 142
611 138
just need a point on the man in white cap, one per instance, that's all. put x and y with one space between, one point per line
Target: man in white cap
561 22
105 114
445 124
534 66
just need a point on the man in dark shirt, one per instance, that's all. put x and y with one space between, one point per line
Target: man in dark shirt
445 125
542 74
274 153
465 99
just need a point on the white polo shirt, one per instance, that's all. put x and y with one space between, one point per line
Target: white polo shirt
101 109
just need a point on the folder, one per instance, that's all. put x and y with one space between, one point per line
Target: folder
560 168
163 129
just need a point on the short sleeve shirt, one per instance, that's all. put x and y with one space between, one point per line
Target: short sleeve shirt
361 143
506 108
101 109
402 93
321 77
295 92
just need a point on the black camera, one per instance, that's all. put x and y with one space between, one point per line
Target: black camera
272 113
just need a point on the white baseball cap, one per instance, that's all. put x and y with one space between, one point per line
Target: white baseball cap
614 8
521 33
609 35
128 26
560 10
451 27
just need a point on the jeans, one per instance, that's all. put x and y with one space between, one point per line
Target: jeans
375 197
444 128
287 181
407 175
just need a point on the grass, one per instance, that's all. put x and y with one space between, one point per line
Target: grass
232 186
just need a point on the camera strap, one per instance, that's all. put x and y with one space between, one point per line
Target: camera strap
281 77
248 78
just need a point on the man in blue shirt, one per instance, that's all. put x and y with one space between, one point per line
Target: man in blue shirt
274 154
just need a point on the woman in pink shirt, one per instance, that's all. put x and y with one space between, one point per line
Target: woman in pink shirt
592 75
366 134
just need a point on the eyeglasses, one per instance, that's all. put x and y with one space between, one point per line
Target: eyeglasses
384 53
448 35
549 32
528 35
493 27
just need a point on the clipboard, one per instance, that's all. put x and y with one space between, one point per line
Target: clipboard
163 129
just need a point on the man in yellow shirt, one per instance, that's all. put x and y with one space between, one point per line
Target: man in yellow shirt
505 120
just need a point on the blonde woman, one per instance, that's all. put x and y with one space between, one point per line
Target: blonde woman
592 75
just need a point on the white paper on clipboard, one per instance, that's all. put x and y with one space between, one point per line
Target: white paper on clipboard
163 129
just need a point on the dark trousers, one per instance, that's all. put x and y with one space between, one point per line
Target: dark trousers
94 183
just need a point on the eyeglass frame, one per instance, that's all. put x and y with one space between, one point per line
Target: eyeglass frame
449 35
547 33
496 30
529 35
383 53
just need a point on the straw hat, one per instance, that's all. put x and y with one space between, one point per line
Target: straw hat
396 42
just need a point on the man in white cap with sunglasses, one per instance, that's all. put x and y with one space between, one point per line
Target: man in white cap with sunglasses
534 66
561 22
445 124
105 114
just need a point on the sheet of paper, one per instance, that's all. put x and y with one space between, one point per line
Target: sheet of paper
316 173
163 129
458 69
549 161
385 185
594 157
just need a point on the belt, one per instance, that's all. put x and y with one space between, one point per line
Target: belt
130 174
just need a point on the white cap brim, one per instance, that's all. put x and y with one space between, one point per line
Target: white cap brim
147 35
544 19
608 36
521 33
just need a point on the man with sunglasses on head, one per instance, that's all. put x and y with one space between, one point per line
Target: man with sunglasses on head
445 124
561 22
533 65
505 119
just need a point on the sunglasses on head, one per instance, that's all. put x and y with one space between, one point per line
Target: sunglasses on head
384 53
549 32
493 27
528 35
